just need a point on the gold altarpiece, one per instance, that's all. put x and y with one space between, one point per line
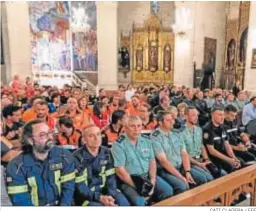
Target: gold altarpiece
235 48
151 50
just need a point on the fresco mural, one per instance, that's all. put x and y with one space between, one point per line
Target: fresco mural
84 36
50 39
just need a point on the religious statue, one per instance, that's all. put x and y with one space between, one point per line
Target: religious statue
124 58
139 58
243 46
231 55
253 65
153 57
167 58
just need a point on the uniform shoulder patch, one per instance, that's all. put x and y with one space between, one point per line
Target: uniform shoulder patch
120 139
8 179
156 133
206 135
55 166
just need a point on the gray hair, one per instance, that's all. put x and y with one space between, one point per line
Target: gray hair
172 109
131 118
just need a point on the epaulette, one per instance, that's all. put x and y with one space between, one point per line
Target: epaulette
120 139
145 136
156 133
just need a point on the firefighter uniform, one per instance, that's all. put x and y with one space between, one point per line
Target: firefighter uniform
217 137
33 182
7 152
233 132
75 139
95 176
109 135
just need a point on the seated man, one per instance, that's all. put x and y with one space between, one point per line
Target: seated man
7 151
68 135
173 158
43 174
233 132
249 112
96 183
31 114
215 139
113 130
136 166
12 126
193 139
42 112
164 104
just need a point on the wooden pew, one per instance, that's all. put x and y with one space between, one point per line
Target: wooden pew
227 189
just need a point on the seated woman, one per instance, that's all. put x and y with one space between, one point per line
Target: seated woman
148 121
100 115
68 135
79 118
84 105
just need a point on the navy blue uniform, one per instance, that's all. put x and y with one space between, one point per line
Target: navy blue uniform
95 176
33 182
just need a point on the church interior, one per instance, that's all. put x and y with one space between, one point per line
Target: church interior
163 42
159 96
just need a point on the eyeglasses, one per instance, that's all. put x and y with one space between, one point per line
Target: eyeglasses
44 135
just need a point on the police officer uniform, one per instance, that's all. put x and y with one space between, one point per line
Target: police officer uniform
173 146
189 102
233 133
33 182
201 106
136 160
95 176
217 137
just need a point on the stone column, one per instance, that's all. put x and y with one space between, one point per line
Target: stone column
183 55
16 38
107 44
250 73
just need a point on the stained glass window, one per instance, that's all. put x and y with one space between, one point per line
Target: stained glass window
154 7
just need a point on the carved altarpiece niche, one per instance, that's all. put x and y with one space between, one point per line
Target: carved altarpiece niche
235 48
151 50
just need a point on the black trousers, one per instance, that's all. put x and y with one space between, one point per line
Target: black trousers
225 164
252 151
246 156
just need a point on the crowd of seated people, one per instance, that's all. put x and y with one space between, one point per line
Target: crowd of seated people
134 146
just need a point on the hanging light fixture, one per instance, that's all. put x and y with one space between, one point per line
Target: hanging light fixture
79 18
182 20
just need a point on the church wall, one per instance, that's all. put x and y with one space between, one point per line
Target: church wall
250 73
210 22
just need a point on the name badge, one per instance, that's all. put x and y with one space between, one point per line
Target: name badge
55 166
145 150
103 162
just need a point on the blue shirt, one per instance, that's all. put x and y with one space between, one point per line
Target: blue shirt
249 113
